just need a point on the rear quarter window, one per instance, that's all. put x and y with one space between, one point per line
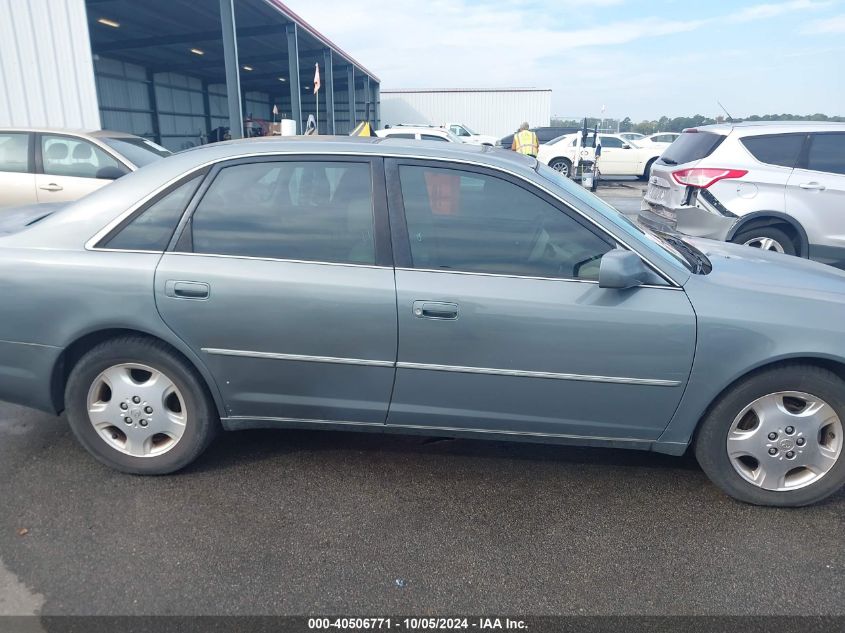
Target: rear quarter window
692 146
775 149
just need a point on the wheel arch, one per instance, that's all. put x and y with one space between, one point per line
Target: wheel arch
86 341
672 437
760 219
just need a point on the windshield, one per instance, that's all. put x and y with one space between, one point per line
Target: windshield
669 252
139 151
469 129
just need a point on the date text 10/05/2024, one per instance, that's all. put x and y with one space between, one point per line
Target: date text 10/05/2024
416 624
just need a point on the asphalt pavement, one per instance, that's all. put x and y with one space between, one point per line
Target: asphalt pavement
294 522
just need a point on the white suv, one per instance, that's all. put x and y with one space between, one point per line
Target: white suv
420 133
777 186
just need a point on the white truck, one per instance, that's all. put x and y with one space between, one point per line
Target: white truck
467 135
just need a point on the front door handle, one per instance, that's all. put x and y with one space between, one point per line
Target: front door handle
52 187
815 186
187 289
435 310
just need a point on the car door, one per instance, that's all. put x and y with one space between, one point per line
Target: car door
502 325
67 167
281 280
17 169
615 160
815 195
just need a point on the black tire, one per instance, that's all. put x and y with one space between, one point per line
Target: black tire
201 423
768 232
559 164
710 443
647 171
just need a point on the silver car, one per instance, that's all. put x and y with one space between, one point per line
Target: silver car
44 165
411 287
775 186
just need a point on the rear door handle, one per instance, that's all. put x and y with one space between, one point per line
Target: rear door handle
816 186
435 310
52 187
187 289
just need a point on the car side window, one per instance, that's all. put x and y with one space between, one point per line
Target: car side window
401 135
433 137
309 211
472 222
827 153
152 229
68 156
775 149
14 152
457 130
610 141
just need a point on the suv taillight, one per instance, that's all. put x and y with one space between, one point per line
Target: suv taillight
703 177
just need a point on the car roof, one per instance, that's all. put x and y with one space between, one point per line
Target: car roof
414 128
73 132
748 128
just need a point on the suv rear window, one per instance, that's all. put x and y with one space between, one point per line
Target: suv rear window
691 146
775 149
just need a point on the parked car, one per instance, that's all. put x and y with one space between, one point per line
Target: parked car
776 186
42 165
619 157
544 135
467 135
631 136
666 138
410 288
422 133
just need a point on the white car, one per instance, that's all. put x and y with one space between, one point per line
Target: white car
778 186
632 136
421 133
619 156
467 135
44 165
664 138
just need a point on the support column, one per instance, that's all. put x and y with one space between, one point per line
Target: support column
350 76
368 99
294 80
328 72
377 100
233 78
151 91
206 108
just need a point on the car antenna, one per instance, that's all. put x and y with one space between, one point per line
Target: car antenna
730 118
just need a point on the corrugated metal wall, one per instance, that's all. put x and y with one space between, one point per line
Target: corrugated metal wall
496 112
46 72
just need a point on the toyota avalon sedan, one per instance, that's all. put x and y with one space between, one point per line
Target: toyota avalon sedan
411 287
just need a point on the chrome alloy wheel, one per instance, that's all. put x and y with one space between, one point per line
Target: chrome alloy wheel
561 166
785 440
137 410
765 243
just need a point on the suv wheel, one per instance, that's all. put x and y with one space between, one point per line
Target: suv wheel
776 438
562 165
767 238
138 407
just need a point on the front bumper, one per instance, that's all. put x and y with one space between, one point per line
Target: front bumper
694 221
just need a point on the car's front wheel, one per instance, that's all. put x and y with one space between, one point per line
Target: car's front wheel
776 437
139 407
562 165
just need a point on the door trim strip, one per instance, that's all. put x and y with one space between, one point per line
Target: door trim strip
518 373
299 357
541 374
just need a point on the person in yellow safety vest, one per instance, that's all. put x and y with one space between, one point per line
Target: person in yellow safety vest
525 141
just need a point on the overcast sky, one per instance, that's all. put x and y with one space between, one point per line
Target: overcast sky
640 59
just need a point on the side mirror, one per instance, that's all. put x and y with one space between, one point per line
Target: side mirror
110 173
626 146
622 269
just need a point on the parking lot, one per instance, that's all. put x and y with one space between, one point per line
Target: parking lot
294 522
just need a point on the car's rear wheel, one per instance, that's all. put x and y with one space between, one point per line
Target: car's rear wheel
562 165
776 437
139 407
767 238
647 171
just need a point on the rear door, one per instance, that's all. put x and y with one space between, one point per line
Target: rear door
815 196
67 167
282 280
17 169
502 325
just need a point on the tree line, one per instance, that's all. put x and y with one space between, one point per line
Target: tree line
667 124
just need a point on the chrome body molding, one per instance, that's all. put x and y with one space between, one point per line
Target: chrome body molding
299 357
517 373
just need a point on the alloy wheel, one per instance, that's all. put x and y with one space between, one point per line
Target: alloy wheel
562 167
137 410
765 243
785 440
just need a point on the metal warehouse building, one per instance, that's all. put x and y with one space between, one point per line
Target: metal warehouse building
497 111
173 70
